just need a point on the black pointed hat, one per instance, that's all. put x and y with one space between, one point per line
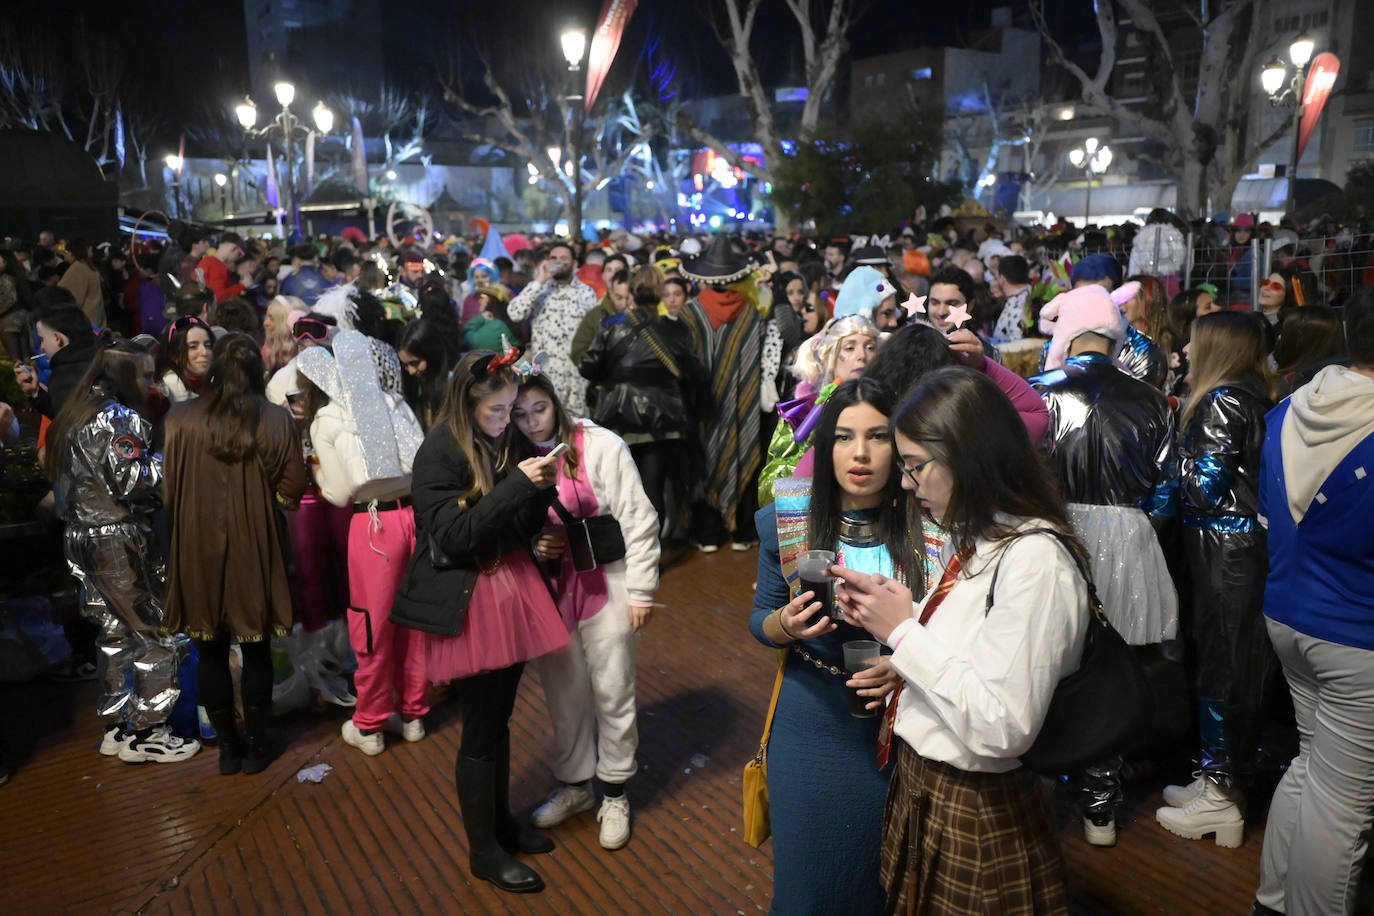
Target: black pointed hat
718 265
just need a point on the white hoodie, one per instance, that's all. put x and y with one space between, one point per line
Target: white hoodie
1327 418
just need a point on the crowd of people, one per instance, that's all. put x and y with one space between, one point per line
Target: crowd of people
478 453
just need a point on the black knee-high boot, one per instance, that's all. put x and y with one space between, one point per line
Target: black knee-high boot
259 746
486 858
513 834
227 735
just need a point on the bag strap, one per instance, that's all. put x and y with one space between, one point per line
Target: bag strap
640 325
563 513
772 705
1094 603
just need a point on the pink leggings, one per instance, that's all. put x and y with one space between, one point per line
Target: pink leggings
391 659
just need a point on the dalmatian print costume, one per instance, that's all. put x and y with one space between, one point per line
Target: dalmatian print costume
555 311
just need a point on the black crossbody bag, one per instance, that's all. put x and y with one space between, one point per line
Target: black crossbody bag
592 541
1098 710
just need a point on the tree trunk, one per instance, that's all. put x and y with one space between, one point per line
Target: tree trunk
1192 189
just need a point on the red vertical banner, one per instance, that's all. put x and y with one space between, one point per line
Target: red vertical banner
1320 79
615 14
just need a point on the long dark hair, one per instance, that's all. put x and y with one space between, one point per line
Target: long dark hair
564 426
967 424
234 397
116 373
426 340
1310 335
172 354
898 522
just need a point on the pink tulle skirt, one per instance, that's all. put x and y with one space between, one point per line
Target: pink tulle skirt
511 618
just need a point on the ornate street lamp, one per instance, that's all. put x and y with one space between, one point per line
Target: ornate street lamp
288 124
574 42
1272 79
1093 159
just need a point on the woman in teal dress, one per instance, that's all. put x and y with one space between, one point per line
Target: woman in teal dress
826 792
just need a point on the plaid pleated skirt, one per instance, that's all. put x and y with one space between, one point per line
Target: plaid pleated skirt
956 842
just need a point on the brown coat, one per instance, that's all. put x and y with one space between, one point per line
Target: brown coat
228 564
83 282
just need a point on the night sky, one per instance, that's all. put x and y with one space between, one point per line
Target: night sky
183 56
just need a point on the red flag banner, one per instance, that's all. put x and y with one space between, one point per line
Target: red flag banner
1320 79
605 42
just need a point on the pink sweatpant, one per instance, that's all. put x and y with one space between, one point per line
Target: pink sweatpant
391 659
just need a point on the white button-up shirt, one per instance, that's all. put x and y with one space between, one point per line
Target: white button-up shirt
978 687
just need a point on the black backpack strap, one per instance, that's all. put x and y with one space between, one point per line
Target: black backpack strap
1094 603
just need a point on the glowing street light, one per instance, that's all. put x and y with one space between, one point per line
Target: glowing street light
173 161
1272 79
574 43
324 118
1093 158
286 93
221 179
247 113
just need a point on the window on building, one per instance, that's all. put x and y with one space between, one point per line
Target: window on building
868 81
882 78
1364 136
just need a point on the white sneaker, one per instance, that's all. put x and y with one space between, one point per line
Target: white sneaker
708 548
371 745
1099 834
115 737
1213 810
158 746
411 731
1178 796
741 546
563 804
615 822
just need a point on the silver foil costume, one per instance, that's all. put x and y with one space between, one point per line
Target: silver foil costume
1144 359
1112 447
1224 546
109 483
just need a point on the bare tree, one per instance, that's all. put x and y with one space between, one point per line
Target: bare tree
1206 139
531 120
824 31
999 123
402 119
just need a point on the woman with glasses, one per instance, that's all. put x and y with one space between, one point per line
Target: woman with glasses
183 360
825 789
966 828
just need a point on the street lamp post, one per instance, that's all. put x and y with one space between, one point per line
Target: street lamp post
221 180
288 124
1093 158
1272 79
574 43
175 163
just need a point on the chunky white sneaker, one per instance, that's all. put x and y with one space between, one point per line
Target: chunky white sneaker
158 746
1100 834
741 546
708 548
371 745
1213 810
615 822
563 804
115 737
411 731
1178 796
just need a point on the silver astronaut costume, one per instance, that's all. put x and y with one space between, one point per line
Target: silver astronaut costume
1112 447
109 482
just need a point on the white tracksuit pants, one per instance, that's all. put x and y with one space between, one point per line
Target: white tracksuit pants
589 689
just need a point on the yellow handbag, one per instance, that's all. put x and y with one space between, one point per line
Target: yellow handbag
757 827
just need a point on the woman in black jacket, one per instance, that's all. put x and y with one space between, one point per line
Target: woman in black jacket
474 586
647 374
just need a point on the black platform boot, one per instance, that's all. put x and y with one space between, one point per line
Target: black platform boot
487 859
513 834
227 735
259 746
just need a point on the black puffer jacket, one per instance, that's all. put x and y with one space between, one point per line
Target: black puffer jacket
454 541
632 360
